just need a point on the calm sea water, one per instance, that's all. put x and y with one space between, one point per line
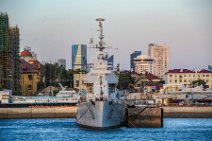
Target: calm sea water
66 130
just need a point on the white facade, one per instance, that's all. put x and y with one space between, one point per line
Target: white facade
143 63
160 54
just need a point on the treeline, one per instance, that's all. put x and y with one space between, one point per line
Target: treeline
52 74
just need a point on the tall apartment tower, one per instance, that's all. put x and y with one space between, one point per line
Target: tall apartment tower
160 54
79 57
132 57
9 54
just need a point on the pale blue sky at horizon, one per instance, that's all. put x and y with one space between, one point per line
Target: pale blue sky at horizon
50 27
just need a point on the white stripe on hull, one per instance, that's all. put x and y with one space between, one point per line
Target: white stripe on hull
102 114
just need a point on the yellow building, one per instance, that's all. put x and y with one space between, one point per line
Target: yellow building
185 76
29 78
30 73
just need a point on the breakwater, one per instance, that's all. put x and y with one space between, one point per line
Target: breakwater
70 112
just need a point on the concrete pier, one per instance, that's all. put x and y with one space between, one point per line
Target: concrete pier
187 112
38 112
147 117
71 111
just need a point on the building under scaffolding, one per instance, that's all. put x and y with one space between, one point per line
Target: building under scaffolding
9 54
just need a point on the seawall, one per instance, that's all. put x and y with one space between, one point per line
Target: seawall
38 112
71 111
187 112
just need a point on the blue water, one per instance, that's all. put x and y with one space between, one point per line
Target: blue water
177 129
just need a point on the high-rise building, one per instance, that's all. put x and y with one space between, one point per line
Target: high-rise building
143 63
15 58
62 62
132 57
9 54
160 54
4 50
79 57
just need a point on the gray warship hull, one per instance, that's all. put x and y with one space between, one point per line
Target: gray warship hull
100 114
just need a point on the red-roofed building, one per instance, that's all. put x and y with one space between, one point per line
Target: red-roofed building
26 55
30 76
146 80
186 76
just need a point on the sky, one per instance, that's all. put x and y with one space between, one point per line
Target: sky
50 27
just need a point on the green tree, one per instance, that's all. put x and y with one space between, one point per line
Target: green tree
199 82
125 80
52 74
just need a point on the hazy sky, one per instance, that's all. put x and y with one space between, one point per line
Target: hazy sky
50 27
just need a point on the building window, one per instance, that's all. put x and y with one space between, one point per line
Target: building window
29 87
77 83
170 75
30 77
175 81
180 80
184 81
170 80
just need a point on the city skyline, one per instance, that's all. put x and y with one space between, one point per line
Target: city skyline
184 25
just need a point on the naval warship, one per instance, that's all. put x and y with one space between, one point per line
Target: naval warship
100 108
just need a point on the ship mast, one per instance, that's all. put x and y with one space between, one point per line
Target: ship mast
100 46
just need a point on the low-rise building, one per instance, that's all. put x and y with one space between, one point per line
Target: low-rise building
146 82
185 77
30 76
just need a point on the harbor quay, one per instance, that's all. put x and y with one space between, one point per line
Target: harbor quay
71 111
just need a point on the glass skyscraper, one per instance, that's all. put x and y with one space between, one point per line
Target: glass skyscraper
79 57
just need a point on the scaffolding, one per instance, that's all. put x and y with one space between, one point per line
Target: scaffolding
9 54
